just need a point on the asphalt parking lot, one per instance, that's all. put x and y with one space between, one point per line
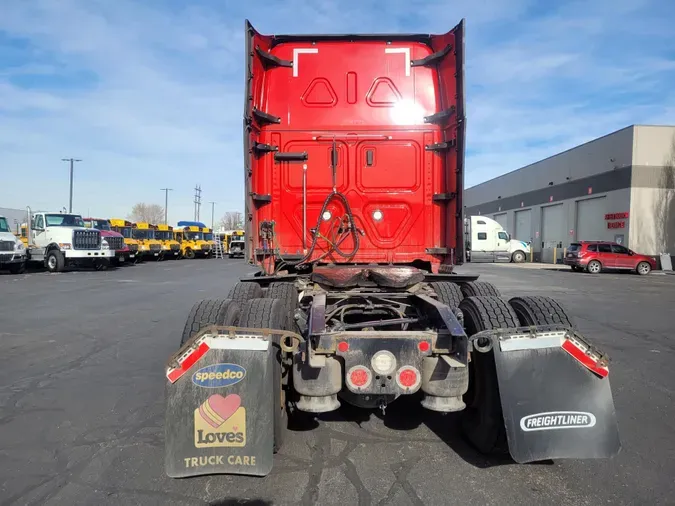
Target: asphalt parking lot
82 388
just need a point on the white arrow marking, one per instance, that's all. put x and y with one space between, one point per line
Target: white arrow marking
401 50
297 52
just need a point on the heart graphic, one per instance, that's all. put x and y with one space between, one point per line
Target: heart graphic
235 428
217 408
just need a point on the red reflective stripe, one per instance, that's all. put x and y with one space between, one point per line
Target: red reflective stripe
189 361
585 360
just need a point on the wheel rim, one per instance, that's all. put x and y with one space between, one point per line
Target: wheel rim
594 267
643 268
519 257
51 262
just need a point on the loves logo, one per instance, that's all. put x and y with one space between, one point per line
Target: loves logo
220 421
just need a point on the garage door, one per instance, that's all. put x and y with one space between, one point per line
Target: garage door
552 226
501 219
523 229
590 224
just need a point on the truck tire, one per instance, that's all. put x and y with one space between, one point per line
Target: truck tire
189 253
246 290
448 293
540 311
518 257
17 268
480 289
271 314
288 295
55 261
482 420
209 312
100 265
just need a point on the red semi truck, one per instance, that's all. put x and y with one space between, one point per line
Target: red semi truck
114 239
354 159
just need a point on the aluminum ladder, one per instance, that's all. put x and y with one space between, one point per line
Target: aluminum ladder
218 251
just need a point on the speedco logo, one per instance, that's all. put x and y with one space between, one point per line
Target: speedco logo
557 420
218 375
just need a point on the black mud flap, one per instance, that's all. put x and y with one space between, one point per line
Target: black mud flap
555 396
219 406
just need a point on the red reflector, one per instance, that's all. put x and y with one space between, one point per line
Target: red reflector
175 374
589 362
358 377
407 378
423 346
343 346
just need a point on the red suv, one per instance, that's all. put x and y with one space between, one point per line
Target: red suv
594 256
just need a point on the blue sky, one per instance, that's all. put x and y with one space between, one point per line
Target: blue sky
149 93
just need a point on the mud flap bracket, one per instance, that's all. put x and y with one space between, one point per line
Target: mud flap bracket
555 394
219 404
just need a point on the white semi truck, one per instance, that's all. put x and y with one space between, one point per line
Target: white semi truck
487 241
58 240
12 250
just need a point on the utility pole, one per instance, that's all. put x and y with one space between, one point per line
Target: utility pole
72 162
198 201
213 208
166 203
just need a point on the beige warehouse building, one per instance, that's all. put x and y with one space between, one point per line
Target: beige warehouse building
619 187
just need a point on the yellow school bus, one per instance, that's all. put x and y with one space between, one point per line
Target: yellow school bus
150 247
170 246
24 234
209 239
125 228
192 243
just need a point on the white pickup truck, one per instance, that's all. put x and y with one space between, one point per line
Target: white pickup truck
12 250
60 239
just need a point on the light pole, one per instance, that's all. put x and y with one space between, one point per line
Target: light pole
213 209
166 204
72 162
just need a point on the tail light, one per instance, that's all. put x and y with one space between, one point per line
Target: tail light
359 377
408 378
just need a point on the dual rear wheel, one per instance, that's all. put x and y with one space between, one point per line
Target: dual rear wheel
451 294
483 421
